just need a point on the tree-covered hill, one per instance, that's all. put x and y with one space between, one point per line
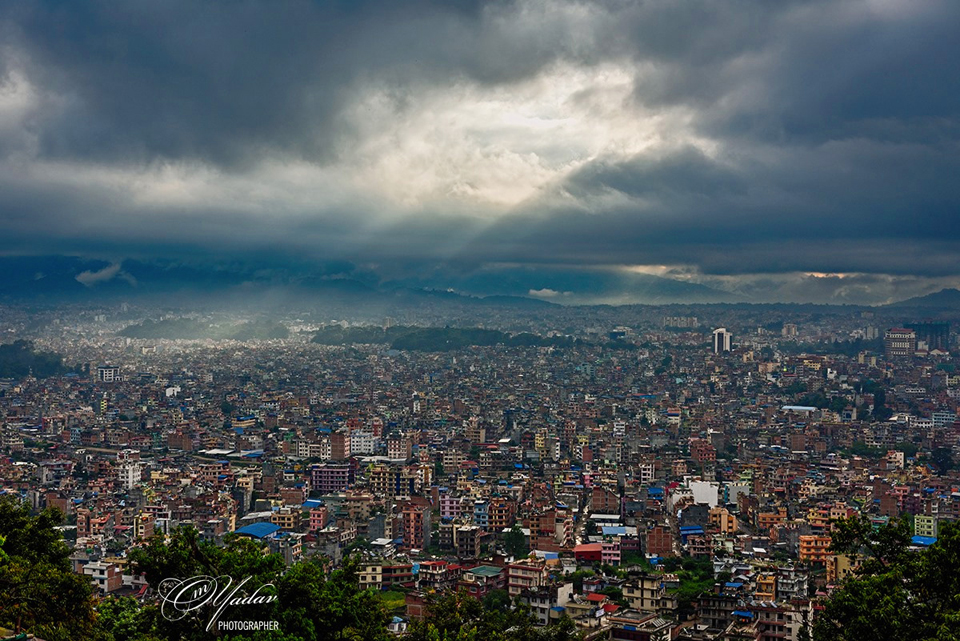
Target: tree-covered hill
19 359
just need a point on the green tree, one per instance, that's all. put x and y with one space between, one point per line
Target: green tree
909 449
515 542
896 593
186 554
39 593
942 459
19 359
119 619
314 607
456 616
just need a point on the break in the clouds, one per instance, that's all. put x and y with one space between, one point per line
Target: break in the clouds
770 150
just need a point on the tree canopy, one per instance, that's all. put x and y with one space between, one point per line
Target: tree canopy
20 359
39 592
896 593
457 616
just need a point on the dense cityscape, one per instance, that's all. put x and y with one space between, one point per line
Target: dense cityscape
664 477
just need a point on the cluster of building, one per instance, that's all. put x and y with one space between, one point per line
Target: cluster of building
591 482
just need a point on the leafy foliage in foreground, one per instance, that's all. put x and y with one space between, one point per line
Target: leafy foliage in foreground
39 593
38 590
456 616
896 593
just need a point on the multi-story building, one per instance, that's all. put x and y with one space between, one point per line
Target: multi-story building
288 518
814 548
660 541
399 448
435 575
551 530
899 342
449 506
340 446
766 520
766 587
716 610
792 583
129 474
319 517
381 575
393 480
482 580
839 567
721 519
610 552
924 525
481 514
545 602
108 373
416 527
722 340
106 577
362 442
467 540
528 574
331 477
644 592
501 513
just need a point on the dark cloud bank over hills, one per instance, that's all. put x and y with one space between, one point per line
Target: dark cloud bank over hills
57 280
72 279
599 152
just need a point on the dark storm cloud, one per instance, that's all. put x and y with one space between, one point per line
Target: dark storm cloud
799 136
833 206
230 82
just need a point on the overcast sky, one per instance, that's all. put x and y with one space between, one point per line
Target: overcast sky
805 151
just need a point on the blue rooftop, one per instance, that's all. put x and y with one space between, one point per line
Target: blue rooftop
925 541
609 530
259 530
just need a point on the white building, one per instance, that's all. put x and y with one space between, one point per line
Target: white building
722 340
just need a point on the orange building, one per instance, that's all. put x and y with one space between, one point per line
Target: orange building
814 549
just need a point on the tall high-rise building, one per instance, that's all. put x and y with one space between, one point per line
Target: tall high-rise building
722 340
898 342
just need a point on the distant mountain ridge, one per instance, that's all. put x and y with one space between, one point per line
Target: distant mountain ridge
71 279
948 298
